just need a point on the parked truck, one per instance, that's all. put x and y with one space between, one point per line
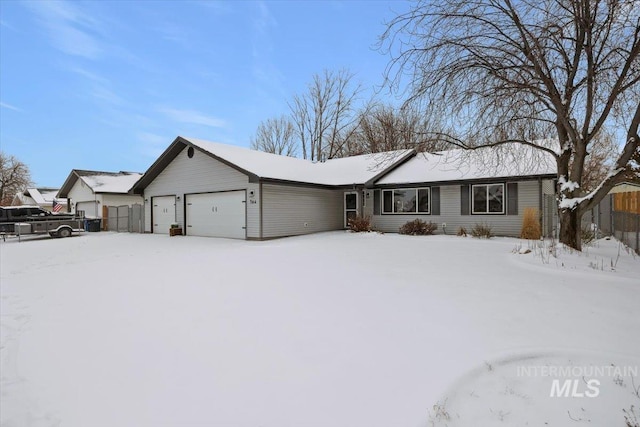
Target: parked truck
23 220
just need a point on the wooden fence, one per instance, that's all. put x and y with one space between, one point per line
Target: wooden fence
626 218
627 202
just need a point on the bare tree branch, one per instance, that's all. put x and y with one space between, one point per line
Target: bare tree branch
275 136
518 72
14 178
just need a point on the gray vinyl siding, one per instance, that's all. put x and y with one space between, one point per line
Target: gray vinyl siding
291 210
548 187
201 174
368 203
502 225
253 211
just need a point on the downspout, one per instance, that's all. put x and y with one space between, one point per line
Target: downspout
541 206
260 209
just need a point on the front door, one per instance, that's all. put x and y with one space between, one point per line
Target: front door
350 206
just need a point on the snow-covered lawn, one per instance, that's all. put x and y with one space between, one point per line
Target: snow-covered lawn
328 330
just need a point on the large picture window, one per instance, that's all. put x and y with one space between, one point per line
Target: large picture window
406 200
488 199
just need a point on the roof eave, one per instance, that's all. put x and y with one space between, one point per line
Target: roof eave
63 193
403 159
294 183
468 180
179 144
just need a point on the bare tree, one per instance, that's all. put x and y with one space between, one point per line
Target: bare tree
14 177
385 128
275 136
509 71
602 155
323 116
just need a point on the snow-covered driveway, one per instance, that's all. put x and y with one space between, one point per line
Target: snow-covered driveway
328 330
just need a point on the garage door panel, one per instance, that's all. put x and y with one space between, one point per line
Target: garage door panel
216 214
163 213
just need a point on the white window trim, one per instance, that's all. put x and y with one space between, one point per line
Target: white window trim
504 199
382 211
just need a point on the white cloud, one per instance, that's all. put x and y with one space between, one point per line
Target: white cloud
10 107
103 94
193 117
264 19
218 7
152 138
152 144
88 74
69 29
6 25
268 77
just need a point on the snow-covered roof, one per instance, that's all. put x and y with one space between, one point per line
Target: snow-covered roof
393 167
341 171
462 165
100 182
43 196
120 182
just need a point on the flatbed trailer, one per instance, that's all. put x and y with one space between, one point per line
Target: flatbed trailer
30 220
52 227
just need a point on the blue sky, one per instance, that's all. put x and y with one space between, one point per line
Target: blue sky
108 85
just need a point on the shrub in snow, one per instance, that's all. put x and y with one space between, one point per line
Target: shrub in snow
531 229
631 417
418 227
360 224
482 231
462 232
439 414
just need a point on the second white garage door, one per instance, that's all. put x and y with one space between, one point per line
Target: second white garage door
216 214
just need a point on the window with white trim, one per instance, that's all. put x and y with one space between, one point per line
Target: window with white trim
487 199
406 200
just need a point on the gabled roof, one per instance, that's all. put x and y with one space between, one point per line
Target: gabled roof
258 165
480 164
41 195
100 182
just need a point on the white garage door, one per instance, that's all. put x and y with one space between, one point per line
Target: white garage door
216 214
163 213
90 209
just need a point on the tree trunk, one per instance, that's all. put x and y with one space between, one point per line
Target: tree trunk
570 228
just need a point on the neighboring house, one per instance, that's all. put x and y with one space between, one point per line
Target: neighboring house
43 197
218 190
90 192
